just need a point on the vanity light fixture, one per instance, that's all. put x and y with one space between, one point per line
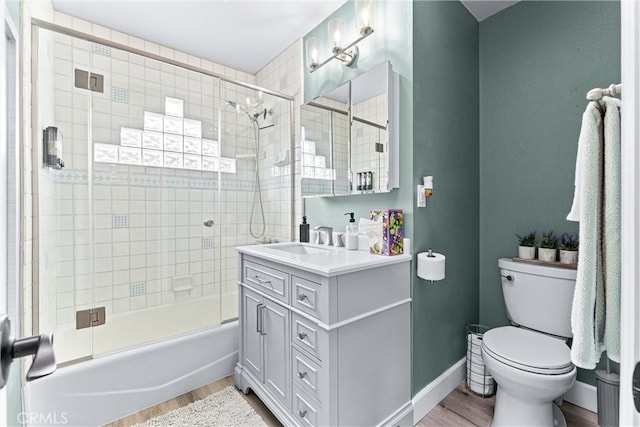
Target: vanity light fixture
344 52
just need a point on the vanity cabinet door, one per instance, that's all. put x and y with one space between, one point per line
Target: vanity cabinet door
252 322
277 351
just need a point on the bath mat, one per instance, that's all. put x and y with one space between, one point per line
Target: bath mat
222 409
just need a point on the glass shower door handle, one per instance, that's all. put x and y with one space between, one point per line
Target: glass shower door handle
44 362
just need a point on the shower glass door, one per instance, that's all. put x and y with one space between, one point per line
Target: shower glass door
128 199
62 280
149 175
256 177
154 132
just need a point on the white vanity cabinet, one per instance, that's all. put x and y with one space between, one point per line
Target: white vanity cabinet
325 340
265 339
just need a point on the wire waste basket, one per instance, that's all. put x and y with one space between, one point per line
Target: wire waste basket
479 380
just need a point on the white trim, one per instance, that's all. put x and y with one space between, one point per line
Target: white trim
427 398
583 395
630 207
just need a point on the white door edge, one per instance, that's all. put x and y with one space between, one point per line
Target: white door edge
630 217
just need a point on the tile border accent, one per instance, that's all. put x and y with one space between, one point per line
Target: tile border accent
70 176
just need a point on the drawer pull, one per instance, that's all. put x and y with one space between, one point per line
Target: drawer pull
302 297
302 335
262 281
302 413
302 375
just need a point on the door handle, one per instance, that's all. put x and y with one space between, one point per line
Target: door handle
262 308
260 319
635 387
44 362
258 323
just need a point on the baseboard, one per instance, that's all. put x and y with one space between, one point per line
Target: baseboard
427 398
583 395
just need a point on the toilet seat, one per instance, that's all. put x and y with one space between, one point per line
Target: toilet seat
527 350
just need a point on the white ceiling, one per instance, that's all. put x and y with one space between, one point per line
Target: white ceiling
243 34
482 9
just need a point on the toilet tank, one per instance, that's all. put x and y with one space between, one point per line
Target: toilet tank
538 297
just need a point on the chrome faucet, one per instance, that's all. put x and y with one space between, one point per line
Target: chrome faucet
327 231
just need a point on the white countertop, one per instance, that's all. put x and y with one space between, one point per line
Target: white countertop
325 260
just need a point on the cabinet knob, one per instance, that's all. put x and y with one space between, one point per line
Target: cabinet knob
302 335
302 413
302 374
302 297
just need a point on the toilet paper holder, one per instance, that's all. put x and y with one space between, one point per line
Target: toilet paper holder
431 266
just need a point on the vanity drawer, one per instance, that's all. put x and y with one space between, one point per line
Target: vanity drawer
310 297
307 375
266 279
305 409
309 337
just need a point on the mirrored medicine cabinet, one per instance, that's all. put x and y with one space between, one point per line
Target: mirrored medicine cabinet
349 137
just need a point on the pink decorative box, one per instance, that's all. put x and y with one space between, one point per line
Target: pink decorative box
392 232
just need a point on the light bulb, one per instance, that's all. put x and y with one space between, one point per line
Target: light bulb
313 51
336 32
364 16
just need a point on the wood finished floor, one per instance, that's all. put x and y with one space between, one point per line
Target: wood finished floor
461 408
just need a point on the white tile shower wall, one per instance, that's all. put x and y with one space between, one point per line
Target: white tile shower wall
133 254
284 74
366 158
323 127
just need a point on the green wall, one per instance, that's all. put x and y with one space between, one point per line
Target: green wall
492 110
435 62
445 129
537 62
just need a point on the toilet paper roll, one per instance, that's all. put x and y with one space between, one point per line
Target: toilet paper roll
431 268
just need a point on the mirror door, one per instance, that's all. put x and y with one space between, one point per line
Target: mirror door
350 137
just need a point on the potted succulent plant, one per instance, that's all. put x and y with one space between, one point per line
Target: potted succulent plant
548 246
568 246
527 245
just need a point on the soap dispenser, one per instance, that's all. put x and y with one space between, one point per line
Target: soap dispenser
304 230
351 234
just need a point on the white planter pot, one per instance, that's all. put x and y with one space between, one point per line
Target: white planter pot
568 257
545 254
527 252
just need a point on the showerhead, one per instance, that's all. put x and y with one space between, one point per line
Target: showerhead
242 109
238 107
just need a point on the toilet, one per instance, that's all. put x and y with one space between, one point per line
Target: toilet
530 360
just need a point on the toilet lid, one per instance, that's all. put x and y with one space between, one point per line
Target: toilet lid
528 350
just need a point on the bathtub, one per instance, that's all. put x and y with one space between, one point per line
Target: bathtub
109 387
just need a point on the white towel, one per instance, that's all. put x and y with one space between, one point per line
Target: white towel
595 316
611 228
585 351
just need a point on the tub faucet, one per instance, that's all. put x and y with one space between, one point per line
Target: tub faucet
327 231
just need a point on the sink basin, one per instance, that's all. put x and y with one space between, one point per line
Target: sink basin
300 249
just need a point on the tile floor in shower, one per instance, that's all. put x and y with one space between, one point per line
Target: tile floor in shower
461 408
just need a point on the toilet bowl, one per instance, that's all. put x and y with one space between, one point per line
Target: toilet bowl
531 369
530 361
